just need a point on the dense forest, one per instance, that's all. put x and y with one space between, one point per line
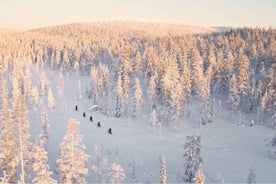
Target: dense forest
171 68
154 71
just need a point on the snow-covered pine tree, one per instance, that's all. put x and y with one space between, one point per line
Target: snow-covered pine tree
28 85
138 95
76 66
101 164
151 90
163 175
205 101
126 94
171 95
197 71
65 61
94 84
228 70
271 106
35 95
8 148
43 137
119 91
243 74
155 124
43 84
72 161
192 157
45 124
251 179
243 80
200 176
60 85
24 136
233 96
126 76
40 166
211 58
270 145
185 79
51 100
100 169
177 102
98 151
104 89
15 90
79 92
132 166
117 174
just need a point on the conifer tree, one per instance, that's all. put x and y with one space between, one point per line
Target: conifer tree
51 100
177 102
163 175
271 89
233 96
185 79
205 109
197 71
79 96
72 161
28 85
60 85
76 66
43 84
43 137
151 90
138 94
243 73
200 176
117 174
35 95
8 148
153 121
40 166
94 84
126 94
101 164
192 157
103 88
251 179
23 126
132 166
15 90
119 90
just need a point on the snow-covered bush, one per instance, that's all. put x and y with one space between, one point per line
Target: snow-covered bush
270 145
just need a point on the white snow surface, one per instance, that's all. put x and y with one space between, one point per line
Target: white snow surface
228 150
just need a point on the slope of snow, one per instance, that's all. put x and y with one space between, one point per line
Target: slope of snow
227 149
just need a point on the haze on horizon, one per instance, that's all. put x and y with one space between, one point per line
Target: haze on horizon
28 14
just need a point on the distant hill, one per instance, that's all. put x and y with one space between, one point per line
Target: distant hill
123 28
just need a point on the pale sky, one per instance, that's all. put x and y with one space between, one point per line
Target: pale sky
27 14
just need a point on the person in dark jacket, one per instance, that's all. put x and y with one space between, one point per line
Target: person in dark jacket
76 108
91 118
99 124
83 114
110 131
